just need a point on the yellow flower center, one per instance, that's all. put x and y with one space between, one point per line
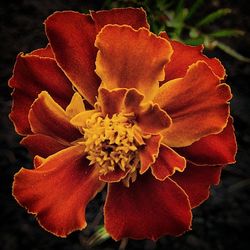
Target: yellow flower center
110 143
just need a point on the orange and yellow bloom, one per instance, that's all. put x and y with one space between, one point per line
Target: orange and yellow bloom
109 102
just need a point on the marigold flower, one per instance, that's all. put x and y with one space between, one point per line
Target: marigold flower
146 115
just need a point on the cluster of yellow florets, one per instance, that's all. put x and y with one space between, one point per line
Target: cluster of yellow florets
110 143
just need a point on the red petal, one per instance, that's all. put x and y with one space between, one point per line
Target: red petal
185 55
147 209
167 162
149 152
136 18
129 58
43 145
196 181
48 118
58 191
114 176
43 52
153 119
111 102
132 101
219 149
72 36
38 161
31 75
198 105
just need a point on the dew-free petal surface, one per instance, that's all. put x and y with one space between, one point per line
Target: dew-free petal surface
219 149
43 52
72 37
167 162
48 118
129 58
58 191
111 101
134 17
197 104
31 75
185 55
196 181
149 152
43 145
148 209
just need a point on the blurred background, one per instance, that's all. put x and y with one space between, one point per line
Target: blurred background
223 221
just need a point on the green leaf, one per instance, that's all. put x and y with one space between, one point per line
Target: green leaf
194 33
213 17
163 5
179 8
194 8
227 33
99 236
194 41
179 18
230 51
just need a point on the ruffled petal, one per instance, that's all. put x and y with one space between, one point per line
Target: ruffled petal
167 162
134 17
219 149
111 101
48 118
43 145
147 209
31 75
43 52
196 181
198 105
149 152
58 191
153 119
184 56
73 46
129 58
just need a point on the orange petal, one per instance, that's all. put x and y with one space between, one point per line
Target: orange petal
58 191
48 118
196 181
31 75
219 149
75 106
167 162
111 102
153 119
148 209
136 18
198 105
185 55
43 52
43 145
149 152
72 36
129 58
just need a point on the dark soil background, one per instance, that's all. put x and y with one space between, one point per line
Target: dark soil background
222 222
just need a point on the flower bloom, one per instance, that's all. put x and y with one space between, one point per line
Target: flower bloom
108 102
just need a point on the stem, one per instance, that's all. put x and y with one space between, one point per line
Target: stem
123 244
